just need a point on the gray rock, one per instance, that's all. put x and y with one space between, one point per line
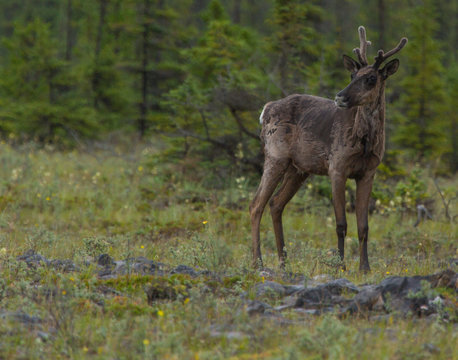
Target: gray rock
292 289
284 307
186 270
22 317
315 311
142 265
270 289
338 286
313 297
33 259
368 299
43 336
401 285
256 307
431 348
105 260
404 294
64 265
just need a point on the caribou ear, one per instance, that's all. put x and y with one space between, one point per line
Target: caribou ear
390 68
350 64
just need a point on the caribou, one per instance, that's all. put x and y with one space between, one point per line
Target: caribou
342 138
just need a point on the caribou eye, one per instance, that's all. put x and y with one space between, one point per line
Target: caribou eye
371 80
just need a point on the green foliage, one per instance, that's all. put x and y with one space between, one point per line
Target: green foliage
199 73
412 190
33 85
223 75
423 125
294 41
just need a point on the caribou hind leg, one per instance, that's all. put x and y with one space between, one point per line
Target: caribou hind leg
291 183
273 173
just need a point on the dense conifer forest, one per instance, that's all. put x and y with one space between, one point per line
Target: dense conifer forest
197 73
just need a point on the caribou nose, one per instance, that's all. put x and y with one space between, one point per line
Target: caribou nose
340 101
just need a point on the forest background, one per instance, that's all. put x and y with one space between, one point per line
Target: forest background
194 75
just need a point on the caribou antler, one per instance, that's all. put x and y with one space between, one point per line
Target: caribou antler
381 56
361 51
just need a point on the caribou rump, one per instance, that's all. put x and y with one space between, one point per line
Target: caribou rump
344 138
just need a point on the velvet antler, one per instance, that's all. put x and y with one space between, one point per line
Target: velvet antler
381 56
361 51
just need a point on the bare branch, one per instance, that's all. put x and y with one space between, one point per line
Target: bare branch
241 126
447 214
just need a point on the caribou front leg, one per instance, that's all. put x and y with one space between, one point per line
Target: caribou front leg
363 193
338 198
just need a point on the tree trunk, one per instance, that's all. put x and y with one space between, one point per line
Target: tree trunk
69 32
98 47
144 69
117 30
236 14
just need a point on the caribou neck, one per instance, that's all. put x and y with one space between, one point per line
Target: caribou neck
369 125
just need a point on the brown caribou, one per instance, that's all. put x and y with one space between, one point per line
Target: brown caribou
344 138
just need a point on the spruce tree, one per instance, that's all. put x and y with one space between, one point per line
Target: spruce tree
294 44
422 127
33 84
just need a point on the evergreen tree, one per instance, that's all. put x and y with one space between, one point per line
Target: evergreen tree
295 42
33 87
422 126
221 90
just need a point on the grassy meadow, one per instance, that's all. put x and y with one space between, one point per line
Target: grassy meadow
127 201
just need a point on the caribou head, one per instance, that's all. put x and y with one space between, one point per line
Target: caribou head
367 81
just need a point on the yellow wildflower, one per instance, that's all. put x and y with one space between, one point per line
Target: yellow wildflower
140 168
145 342
142 247
186 301
48 198
204 222
160 313
64 292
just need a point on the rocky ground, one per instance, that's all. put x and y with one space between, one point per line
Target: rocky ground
413 296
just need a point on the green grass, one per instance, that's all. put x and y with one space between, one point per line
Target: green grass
73 205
